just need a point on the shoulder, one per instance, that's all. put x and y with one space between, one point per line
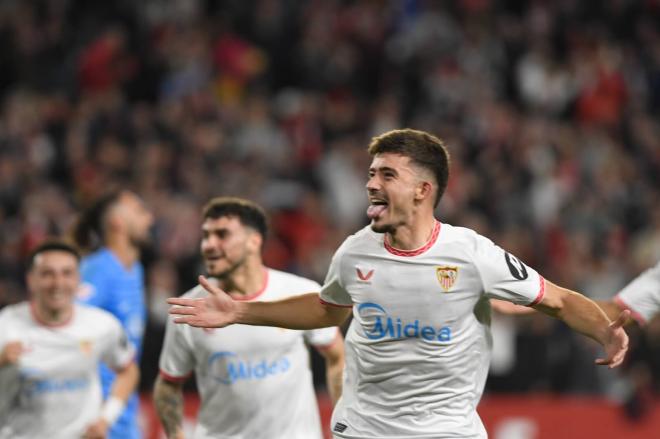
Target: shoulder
97 265
292 282
15 311
96 317
364 240
466 238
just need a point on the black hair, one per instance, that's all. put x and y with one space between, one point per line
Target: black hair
51 245
248 213
89 230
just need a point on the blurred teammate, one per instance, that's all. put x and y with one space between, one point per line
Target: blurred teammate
417 352
50 349
254 382
113 277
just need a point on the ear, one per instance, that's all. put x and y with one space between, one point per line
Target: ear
255 242
423 190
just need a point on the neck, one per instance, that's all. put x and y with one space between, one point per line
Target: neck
127 253
412 235
246 280
51 316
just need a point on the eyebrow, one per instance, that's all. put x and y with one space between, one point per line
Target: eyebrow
383 169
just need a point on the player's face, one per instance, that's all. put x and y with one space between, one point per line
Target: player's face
391 188
226 245
53 280
136 217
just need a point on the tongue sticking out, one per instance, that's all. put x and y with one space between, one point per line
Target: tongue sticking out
374 211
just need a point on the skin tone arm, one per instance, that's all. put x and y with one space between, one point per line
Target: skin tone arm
334 367
124 385
168 399
218 310
584 316
611 308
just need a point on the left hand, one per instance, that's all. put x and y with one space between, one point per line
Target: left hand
616 342
97 430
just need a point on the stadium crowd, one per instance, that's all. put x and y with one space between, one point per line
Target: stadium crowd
549 109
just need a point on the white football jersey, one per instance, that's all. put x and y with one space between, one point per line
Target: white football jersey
418 349
59 393
642 295
254 382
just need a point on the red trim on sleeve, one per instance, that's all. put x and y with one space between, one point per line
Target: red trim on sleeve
334 304
171 378
408 253
637 316
325 347
541 293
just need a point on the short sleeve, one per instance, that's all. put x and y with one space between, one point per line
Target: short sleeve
323 337
176 358
118 352
506 277
333 291
642 295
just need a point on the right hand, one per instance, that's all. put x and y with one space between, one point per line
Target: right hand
216 310
11 353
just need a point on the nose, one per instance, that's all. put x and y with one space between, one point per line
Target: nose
372 184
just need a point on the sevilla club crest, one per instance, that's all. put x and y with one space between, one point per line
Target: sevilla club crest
446 276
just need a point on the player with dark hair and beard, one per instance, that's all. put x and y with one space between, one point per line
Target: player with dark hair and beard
116 228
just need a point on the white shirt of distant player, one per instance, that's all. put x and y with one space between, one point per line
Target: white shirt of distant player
254 382
642 295
59 392
418 350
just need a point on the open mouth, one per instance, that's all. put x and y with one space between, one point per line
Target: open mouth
376 209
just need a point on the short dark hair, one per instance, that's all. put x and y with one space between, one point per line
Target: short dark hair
424 150
51 245
248 213
89 229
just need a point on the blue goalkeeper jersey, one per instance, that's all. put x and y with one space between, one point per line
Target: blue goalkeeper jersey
109 285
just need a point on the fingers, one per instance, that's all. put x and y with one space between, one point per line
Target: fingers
183 310
621 320
204 282
181 301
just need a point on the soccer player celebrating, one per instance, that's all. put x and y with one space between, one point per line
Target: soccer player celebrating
417 352
51 348
113 277
254 382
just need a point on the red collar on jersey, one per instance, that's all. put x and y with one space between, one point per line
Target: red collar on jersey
419 251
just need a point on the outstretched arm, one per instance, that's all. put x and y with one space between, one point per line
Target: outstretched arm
218 309
583 315
168 399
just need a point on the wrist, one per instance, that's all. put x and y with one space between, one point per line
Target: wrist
241 312
112 409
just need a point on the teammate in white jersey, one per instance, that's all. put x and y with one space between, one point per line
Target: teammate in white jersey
50 349
418 350
254 382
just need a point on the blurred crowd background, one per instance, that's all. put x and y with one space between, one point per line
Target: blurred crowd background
549 108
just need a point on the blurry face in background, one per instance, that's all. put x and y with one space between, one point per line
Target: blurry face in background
53 280
130 213
391 188
227 244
